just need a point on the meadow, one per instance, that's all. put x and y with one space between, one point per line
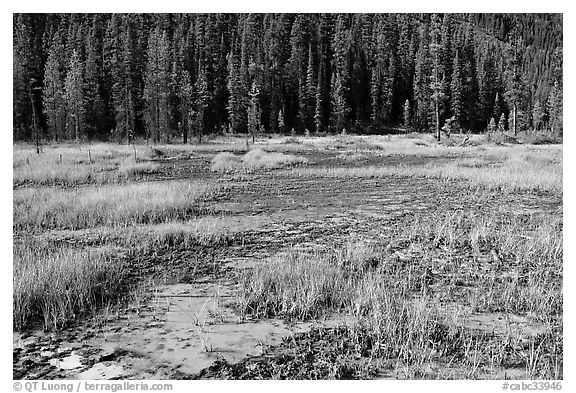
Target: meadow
439 260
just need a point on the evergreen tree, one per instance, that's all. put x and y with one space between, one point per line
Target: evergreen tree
502 124
421 88
156 88
27 75
74 96
54 103
514 85
406 112
237 96
437 80
254 111
308 95
538 116
456 102
555 108
318 107
497 106
186 98
311 70
201 102
491 125
94 103
340 107
488 80
555 99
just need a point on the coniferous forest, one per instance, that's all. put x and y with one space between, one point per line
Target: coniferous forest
173 77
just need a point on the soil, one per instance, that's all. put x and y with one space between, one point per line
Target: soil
183 323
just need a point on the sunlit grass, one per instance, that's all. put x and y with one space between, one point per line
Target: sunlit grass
54 286
71 165
510 169
112 205
254 159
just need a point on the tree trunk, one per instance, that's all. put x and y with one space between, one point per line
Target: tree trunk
514 119
437 121
77 126
200 125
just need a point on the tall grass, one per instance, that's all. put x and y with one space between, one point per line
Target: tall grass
511 170
73 166
112 205
254 159
45 170
55 286
129 169
301 286
402 294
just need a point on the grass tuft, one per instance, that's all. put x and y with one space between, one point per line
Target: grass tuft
253 160
56 286
112 205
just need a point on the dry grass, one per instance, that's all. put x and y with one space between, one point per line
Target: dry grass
110 205
295 285
56 286
73 165
133 170
508 169
253 160
402 294
45 170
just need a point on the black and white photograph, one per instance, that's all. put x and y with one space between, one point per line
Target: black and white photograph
287 196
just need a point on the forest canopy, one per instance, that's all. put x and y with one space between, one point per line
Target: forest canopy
173 76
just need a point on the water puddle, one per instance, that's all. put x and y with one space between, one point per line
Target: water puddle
187 328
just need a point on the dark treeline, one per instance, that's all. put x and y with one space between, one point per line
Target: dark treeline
168 76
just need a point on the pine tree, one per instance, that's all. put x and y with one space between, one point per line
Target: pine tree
296 81
497 106
27 75
555 108
406 115
237 96
421 85
308 98
456 104
201 102
281 124
186 98
120 65
491 125
446 59
538 116
94 104
74 95
312 70
254 113
488 80
318 107
156 88
469 71
502 124
54 104
340 107
555 99
514 87
437 80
